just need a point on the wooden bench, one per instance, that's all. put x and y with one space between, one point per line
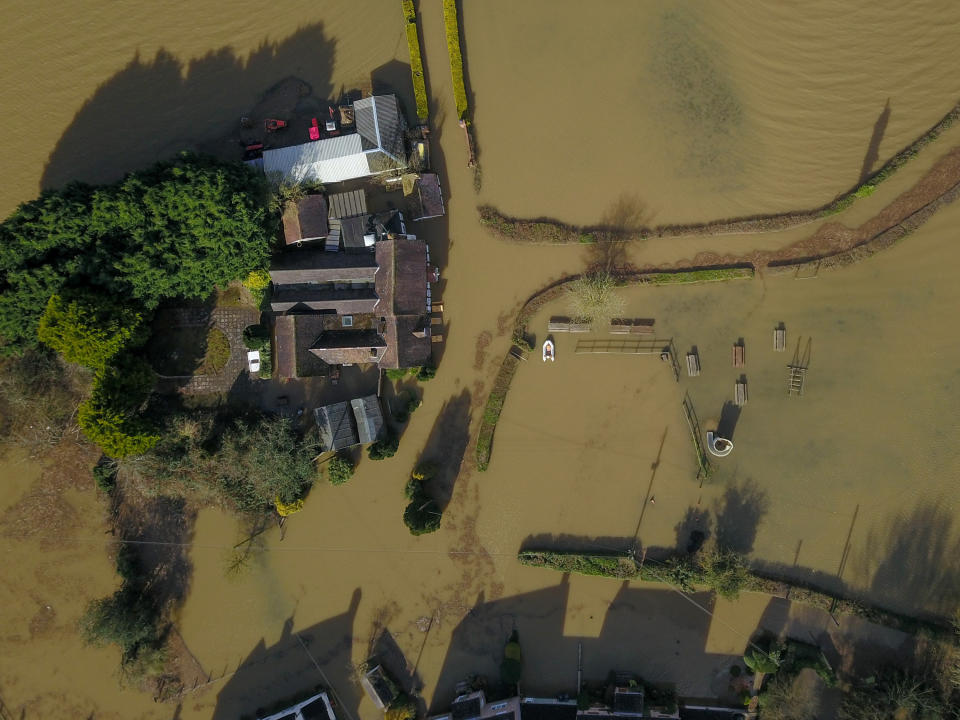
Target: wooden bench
631 327
738 356
779 339
693 365
740 393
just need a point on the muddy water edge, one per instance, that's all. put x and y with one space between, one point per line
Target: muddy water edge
158 81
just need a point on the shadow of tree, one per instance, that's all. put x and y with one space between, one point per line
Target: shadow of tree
446 445
693 530
609 253
276 676
738 514
913 560
873 147
156 107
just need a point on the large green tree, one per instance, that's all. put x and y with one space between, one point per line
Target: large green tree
175 230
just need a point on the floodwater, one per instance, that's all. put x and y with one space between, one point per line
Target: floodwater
788 107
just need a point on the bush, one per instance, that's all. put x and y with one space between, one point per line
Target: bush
339 470
595 298
108 416
385 448
427 372
403 707
456 59
422 515
105 476
256 337
724 571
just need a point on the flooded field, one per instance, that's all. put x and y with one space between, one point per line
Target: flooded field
584 441
699 112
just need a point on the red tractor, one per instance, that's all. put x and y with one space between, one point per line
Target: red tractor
272 125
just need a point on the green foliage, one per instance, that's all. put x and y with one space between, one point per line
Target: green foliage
108 417
896 694
89 328
175 230
385 448
865 190
511 667
105 476
427 372
403 707
594 298
763 662
422 515
724 571
218 352
615 565
493 408
456 59
339 470
681 572
256 337
696 276
416 64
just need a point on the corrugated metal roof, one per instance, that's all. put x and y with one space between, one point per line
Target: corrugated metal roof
366 411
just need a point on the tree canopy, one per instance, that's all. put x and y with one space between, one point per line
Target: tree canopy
175 230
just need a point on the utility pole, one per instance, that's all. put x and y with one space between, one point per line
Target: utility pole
579 667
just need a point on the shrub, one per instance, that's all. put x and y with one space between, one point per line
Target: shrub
422 515
456 59
256 337
403 707
105 476
424 471
427 372
339 470
864 191
385 448
107 417
765 662
724 571
257 280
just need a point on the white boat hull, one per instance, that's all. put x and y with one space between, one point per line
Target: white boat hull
548 351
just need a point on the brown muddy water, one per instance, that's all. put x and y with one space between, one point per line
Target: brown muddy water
791 102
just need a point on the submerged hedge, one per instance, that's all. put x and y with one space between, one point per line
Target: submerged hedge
698 276
416 62
456 58
682 571
491 413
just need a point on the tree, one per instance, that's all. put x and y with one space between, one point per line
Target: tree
108 416
512 665
385 448
422 515
175 230
89 328
594 298
339 470
790 697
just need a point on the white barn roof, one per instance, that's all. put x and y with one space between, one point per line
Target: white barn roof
375 147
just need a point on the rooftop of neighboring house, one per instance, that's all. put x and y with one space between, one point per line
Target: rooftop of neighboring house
305 220
316 707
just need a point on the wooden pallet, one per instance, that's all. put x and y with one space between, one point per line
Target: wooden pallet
740 393
780 339
693 365
739 357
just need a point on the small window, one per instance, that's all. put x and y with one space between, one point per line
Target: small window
347 321
373 352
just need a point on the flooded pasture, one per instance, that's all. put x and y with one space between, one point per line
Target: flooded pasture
790 110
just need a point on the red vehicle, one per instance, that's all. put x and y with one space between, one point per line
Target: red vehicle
273 125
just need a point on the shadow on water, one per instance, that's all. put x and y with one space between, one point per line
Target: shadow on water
156 107
693 530
729 415
667 630
576 543
738 514
270 678
873 147
913 559
446 445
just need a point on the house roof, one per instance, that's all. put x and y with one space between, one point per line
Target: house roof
348 204
340 424
305 220
285 336
410 277
318 298
466 709
377 146
532 709
349 347
628 702
316 707
317 266
377 685
429 196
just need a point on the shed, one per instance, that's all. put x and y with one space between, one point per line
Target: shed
379 688
305 220
345 424
429 197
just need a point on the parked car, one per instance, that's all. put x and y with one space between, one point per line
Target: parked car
253 361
